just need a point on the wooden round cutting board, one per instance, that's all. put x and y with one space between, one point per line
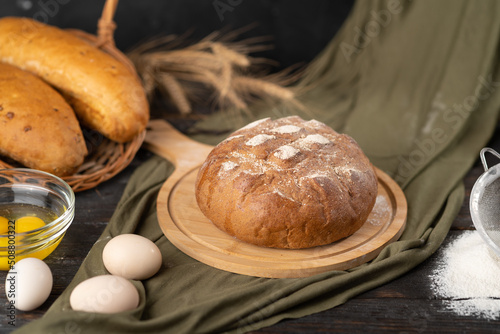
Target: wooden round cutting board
189 230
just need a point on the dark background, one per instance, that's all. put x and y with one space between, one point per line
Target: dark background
299 29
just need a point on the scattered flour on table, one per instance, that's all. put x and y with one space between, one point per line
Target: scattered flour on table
468 277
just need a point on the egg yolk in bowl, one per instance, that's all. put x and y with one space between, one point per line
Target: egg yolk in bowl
15 234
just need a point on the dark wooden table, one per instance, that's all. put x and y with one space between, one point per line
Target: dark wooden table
405 305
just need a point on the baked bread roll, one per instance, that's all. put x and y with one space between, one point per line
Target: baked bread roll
105 94
39 129
287 183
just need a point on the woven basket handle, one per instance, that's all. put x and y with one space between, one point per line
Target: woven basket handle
106 26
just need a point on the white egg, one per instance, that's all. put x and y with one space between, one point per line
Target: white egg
132 256
104 294
28 284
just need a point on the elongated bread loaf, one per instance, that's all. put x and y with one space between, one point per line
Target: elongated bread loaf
38 127
105 95
287 183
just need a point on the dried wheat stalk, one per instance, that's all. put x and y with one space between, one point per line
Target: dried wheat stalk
224 68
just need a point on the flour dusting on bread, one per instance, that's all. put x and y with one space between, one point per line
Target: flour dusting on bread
286 152
259 139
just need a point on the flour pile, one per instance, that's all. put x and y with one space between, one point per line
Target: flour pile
468 276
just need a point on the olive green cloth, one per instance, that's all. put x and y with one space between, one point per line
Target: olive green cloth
416 83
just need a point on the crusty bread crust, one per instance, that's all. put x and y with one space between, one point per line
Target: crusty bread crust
287 183
38 128
105 94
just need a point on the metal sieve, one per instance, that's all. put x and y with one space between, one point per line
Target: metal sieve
485 202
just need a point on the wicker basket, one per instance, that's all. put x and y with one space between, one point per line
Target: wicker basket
106 158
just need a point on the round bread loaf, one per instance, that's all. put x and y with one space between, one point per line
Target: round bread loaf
287 183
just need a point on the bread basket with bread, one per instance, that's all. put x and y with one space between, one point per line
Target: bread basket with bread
47 73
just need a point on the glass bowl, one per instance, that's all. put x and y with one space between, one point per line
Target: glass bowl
36 209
